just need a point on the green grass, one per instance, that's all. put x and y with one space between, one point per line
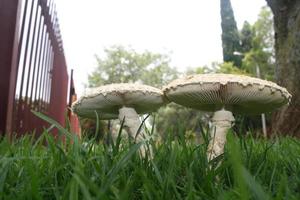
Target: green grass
249 169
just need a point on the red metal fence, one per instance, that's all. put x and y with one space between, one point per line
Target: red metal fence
74 122
33 71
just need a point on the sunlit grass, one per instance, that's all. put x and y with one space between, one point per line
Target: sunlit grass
85 169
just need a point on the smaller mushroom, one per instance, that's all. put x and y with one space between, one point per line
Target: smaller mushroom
224 94
124 101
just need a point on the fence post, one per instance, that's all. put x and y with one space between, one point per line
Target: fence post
74 122
9 29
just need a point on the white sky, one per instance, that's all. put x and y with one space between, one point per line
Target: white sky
188 30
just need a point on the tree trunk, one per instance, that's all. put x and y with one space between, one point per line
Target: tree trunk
287 46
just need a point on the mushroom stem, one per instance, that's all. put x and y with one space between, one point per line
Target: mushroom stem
221 122
132 123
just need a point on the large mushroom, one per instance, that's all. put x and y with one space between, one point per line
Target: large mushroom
225 94
124 101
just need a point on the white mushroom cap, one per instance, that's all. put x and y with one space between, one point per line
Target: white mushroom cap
108 99
236 93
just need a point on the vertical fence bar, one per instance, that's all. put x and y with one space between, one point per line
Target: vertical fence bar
45 73
37 49
21 106
9 31
40 100
48 85
30 76
39 64
26 51
51 77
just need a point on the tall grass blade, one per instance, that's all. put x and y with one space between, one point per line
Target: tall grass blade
112 174
97 125
140 127
254 186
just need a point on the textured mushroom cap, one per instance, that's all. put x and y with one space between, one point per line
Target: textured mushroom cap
108 99
236 93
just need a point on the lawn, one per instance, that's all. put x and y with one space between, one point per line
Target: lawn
85 169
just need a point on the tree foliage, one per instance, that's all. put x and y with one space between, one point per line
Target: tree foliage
261 53
246 37
250 48
225 68
125 65
230 34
